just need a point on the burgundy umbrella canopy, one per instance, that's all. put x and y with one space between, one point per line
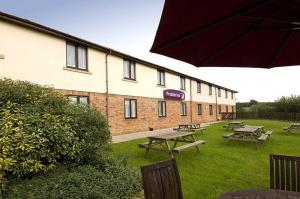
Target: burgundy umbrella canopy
230 33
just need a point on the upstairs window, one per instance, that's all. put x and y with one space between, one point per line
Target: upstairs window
129 69
76 56
183 109
79 99
198 87
162 109
226 94
231 95
210 89
211 111
130 107
161 78
182 83
199 109
219 92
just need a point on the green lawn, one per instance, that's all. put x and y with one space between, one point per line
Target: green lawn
221 166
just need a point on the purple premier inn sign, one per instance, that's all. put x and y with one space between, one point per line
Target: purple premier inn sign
174 94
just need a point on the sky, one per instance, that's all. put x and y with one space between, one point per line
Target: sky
129 26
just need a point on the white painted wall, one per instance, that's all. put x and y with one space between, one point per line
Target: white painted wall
146 81
40 58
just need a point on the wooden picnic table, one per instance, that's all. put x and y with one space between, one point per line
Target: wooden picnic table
293 126
161 142
234 124
249 130
249 133
190 127
261 194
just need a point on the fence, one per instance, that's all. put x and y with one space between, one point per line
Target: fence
269 115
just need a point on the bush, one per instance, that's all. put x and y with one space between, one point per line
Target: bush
108 179
39 127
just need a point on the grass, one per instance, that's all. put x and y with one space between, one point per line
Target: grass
221 166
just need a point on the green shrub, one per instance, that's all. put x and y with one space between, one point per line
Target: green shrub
108 179
39 127
91 127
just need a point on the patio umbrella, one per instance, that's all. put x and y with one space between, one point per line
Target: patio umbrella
230 33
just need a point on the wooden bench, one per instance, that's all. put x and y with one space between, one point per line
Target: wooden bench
145 144
228 135
186 146
263 137
269 133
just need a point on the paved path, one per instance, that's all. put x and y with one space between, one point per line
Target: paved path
138 135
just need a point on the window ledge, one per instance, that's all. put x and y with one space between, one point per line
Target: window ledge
77 70
161 86
129 80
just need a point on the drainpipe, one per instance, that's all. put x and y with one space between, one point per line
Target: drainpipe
216 103
191 111
106 83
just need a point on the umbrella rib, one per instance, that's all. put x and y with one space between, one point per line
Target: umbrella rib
241 35
270 19
210 25
275 57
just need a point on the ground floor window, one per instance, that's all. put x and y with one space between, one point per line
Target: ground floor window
183 109
232 109
226 109
211 111
162 109
79 99
199 109
130 108
220 109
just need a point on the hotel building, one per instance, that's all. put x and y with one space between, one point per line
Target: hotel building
134 95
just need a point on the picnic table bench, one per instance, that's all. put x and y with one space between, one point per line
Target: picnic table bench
292 127
234 124
249 134
190 127
161 142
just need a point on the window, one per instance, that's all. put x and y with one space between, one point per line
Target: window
183 109
162 109
226 109
231 95
198 87
129 69
76 56
182 83
232 109
211 111
219 92
130 108
199 109
79 99
210 90
161 78
226 94
220 109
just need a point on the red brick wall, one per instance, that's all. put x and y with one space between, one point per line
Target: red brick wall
147 115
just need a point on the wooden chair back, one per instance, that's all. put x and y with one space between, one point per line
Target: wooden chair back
285 172
161 180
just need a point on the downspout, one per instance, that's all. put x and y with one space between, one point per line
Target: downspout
191 112
106 83
216 104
